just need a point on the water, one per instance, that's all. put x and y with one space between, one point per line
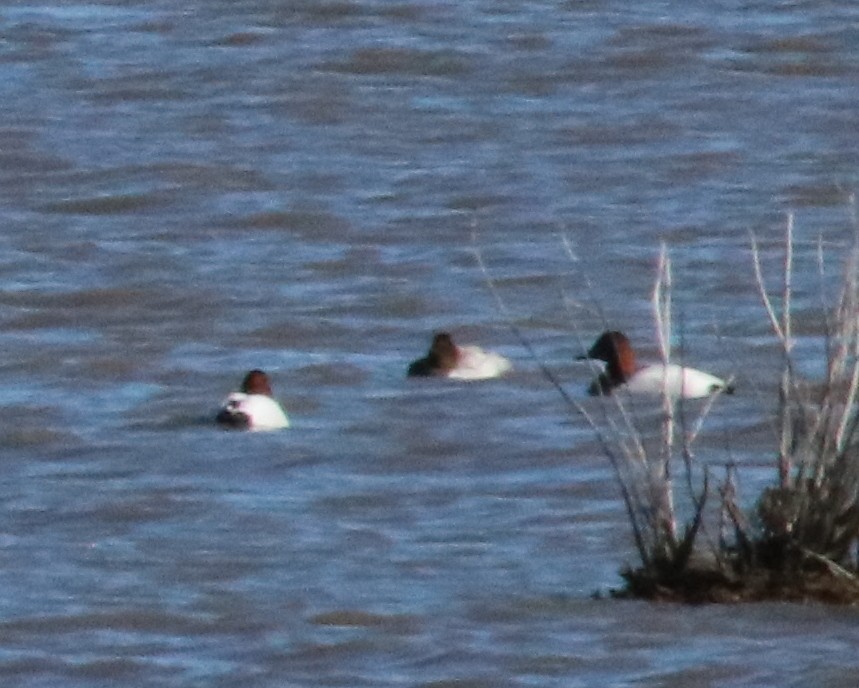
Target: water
187 192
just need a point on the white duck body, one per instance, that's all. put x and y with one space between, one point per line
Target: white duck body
254 407
255 411
674 380
474 363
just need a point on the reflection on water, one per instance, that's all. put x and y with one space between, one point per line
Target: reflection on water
188 193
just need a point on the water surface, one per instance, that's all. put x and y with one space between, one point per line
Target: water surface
189 192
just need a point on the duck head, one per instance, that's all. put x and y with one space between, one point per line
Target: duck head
256 382
440 359
613 348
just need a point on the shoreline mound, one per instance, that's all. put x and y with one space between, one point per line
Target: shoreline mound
813 582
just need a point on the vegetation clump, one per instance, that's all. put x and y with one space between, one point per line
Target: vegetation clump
799 543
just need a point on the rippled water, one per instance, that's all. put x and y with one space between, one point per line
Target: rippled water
190 190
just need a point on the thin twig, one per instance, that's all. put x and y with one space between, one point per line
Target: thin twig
762 290
662 317
629 501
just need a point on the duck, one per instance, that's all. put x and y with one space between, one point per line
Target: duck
615 350
253 407
446 359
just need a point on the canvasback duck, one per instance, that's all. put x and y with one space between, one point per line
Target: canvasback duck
446 359
615 350
253 407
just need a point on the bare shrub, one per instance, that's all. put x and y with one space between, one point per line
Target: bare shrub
800 542
810 516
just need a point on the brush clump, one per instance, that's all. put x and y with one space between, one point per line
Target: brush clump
799 542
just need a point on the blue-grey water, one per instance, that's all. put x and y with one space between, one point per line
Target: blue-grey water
189 190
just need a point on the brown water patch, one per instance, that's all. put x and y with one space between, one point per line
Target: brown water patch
22 437
791 56
660 46
703 165
307 223
399 623
131 188
130 86
358 504
343 10
339 374
107 669
660 33
531 85
790 44
27 427
318 653
142 87
119 366
301 332
33 426
213 177
128 92
817 195
17 157
476 202
635 133
157 506
156 26
331 9
551 665
328 104
114 204
402 61
17 668
129 620
108 297
803 68
640 60
529 41
355 259
239 39
459 683
698 677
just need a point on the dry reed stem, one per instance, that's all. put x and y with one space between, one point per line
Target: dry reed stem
661 300
782 330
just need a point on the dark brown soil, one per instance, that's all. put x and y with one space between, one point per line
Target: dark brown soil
702 586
